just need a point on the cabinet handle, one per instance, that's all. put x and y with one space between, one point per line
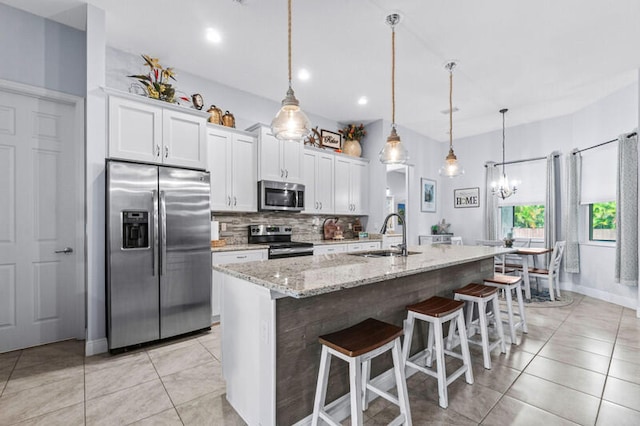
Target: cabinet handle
166 152
228 200
281 173
317 205
241 257
157 150
235 201
286 173
320 205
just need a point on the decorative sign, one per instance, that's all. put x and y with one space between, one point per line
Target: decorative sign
466 197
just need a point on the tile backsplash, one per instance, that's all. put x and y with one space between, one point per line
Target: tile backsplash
305 227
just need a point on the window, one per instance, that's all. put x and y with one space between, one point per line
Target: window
523 221
602 221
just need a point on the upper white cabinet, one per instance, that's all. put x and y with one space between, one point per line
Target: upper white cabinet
351 186
318 180
145 130
277 160
232 163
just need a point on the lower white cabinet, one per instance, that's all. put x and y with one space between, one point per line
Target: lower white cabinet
227 257
346 247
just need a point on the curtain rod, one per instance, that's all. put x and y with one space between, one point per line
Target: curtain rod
630 135
506 163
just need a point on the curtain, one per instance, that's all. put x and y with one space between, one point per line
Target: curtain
551 204
490 203
627 212
572 249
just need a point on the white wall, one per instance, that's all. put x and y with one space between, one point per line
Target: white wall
41 53
599 122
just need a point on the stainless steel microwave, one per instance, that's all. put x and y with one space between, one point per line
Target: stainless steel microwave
280 196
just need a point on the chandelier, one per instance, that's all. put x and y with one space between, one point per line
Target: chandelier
393 151
503 188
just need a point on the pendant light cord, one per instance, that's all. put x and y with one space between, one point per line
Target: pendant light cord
503 112
289 33
393 75
451 109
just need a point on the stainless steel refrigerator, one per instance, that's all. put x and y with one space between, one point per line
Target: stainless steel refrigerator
158 252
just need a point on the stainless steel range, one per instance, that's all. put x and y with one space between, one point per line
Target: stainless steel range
278 238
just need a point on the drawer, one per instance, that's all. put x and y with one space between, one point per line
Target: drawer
238 256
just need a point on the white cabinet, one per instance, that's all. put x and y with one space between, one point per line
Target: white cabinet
232 162
351 183
277 160
147 131
434 239
329 249
363 246
226 257
318 180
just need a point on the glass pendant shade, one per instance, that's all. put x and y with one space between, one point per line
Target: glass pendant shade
393 151
451 167
291 123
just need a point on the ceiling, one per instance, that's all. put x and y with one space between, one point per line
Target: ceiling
540 58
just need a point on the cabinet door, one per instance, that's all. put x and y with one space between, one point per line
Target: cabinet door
309 176
359 187
325 183
270 167
135 131
219 164
292 160
341 199
184 140
244 180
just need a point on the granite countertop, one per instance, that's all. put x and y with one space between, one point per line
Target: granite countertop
308 276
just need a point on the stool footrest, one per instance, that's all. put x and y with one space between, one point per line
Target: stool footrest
386 395
327 418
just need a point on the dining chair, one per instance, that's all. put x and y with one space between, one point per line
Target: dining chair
552 273
456 241
514 261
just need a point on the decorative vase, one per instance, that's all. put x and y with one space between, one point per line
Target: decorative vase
352 147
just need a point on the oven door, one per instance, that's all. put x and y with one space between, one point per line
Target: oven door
282 252
280 196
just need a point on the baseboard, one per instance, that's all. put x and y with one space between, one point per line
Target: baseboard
95 347
627 302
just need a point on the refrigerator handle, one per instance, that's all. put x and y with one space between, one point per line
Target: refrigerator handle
163 240
154 246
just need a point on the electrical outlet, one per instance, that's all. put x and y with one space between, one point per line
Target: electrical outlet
223 227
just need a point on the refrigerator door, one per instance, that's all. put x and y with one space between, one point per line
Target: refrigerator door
132 262
185 260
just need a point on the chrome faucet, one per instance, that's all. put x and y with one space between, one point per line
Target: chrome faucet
403 246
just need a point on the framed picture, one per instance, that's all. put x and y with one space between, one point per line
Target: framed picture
427 195
331 139
466 197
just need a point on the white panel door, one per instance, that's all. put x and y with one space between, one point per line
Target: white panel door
219 165
311 204
40 298
184 140
325 184
244 169
135 131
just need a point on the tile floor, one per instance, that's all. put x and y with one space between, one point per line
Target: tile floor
579 364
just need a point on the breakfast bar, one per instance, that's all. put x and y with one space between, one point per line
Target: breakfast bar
273 312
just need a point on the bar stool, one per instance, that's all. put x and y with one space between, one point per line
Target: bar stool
508 283
437 311
358 345
481 295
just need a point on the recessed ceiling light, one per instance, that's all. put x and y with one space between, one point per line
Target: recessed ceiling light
304 74
214 35
363 100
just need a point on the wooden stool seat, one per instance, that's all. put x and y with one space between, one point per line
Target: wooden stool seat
436 311
509 283
361 338
436 306
358 345
476 290
483 296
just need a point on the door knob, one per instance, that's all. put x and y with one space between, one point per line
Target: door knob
66 250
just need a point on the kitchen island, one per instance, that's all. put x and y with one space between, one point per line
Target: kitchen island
273 312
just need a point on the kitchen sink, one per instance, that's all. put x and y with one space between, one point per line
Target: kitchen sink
381 253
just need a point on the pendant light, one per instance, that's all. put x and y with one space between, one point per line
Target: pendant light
291 123
503 188
451 168
393 151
